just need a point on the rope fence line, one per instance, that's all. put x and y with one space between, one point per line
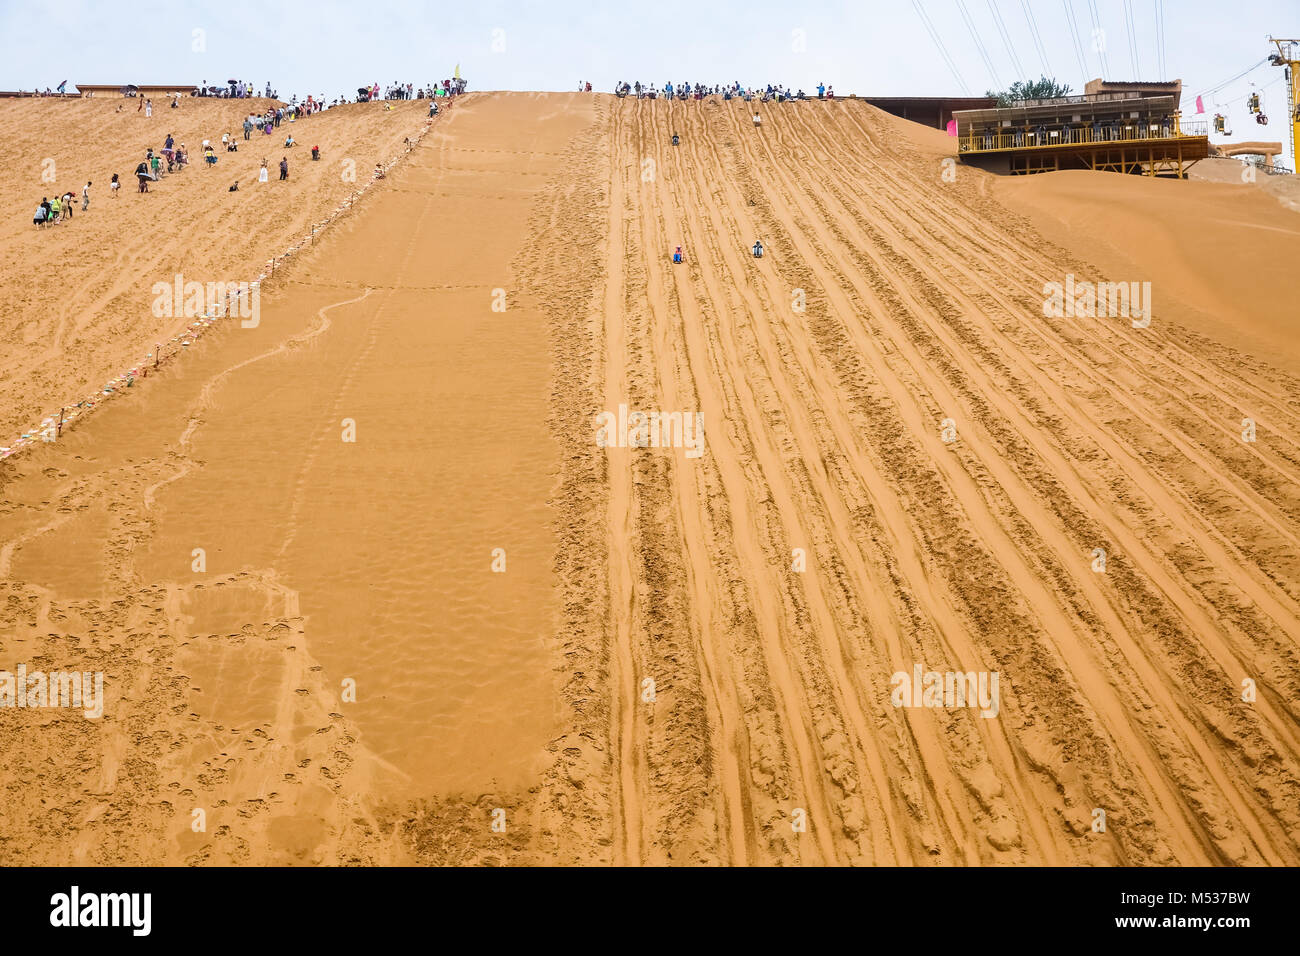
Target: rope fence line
51 427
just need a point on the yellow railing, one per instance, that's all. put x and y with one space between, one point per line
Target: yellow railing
981 141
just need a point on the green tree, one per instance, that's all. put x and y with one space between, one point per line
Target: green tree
1039 89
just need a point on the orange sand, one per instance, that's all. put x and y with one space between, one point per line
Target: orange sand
526 691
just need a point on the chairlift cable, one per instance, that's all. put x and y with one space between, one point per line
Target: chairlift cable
1038 39
1099 39
979 44
1250 69
1006 40
1160 36
1076 43
934 35
1129 26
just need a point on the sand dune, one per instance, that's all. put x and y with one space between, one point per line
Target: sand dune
78 309
1285 189
904 463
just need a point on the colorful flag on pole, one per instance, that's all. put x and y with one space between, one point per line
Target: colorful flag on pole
1200 107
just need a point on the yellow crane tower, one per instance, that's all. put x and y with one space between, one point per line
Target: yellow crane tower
1288 56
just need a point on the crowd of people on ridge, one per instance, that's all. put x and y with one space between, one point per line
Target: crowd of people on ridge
174 157
698 91
408 91
244 89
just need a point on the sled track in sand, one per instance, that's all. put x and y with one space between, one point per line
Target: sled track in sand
1119 690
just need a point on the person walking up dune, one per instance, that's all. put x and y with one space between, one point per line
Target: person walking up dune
262 174
284 168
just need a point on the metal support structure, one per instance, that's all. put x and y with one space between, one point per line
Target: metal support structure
1288 56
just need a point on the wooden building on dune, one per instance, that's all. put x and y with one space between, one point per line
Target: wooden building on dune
933 111
1126 127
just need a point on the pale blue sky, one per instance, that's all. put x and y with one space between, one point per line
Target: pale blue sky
866 47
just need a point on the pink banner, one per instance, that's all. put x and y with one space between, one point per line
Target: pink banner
1200 107
952 127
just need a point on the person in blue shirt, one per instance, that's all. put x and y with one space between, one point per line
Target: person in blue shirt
821 91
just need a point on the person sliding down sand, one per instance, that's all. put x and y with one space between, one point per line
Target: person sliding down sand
758 120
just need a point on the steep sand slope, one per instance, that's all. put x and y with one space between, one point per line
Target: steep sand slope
1220 254
1119 689
708 658
77 309
1215 255
325 562
1286 189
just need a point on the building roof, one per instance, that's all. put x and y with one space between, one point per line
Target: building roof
1100 106
974 102
1100 86
149 87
